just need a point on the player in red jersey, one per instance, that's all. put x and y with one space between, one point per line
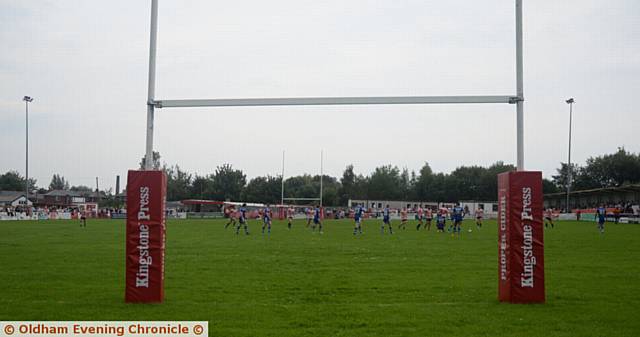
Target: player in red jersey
403 218
230 212
420 214
428 218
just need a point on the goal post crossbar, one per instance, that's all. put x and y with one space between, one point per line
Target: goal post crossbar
229 102
517 99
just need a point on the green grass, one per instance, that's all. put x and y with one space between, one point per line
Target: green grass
296 283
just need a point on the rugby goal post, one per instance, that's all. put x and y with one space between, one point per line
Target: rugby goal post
521 278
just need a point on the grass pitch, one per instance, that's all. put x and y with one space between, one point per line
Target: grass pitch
295 283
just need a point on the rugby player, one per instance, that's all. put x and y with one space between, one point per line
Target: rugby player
479 217
266 219
601 216
386 220
242 217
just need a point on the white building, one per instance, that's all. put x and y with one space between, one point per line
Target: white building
14 199
490 207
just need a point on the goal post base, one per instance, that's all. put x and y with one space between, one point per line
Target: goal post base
145 236
520 237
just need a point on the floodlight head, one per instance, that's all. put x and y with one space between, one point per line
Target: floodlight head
570 101
27 99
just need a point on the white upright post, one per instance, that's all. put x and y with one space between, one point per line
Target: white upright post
519 88
26 100
152 85
282 186
26 155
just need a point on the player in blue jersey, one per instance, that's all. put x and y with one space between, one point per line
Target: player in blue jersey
386 220
266 219
317 221
441 221
242 220
601 216
456 217
357 216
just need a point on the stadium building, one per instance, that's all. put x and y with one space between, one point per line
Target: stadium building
490 207
626 196
13 199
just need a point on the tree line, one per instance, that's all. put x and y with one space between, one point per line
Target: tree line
609 170
387 182
13 181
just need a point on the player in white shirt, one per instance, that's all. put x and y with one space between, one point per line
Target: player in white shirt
290 212
428 216
231 213
420 215
309 213
548 218
479 217
403 219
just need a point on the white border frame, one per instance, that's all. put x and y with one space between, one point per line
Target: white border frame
153 104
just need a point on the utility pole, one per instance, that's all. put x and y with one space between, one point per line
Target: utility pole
570 101
26 100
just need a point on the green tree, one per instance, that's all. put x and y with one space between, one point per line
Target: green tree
13 181
423 188
307 186
347 185
58 183
385 183
81 188
405 186
156 161
228 183
330 188
489 180
609 170
304 186
361 187
442 189
201 187
263 190
613 170
178 183
577 174
466 181
548 186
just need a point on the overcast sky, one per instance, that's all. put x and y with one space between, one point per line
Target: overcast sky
86 62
